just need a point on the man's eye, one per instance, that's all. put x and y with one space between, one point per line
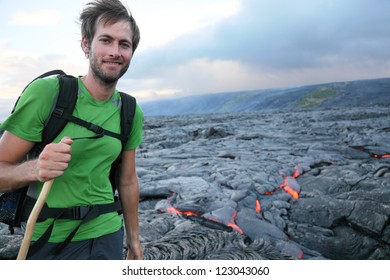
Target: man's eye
126 46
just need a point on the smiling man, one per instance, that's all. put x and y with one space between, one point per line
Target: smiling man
81 169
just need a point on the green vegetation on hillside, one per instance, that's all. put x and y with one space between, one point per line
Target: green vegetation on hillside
233 103
317 97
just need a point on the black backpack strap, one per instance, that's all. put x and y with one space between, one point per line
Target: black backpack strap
66 101
44 75
127 115
88 125
51 73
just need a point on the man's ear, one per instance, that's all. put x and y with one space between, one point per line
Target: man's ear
85 46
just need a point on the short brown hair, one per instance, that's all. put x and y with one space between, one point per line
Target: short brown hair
107 11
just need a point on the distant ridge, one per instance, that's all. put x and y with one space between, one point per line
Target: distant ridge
361 93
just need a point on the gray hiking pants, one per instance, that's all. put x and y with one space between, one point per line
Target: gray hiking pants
107 247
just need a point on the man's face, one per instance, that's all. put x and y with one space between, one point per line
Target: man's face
111 51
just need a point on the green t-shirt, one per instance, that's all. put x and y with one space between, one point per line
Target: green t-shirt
86 181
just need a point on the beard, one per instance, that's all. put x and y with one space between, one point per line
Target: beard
105 77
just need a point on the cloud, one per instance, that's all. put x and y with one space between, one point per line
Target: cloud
201 76
17 69
275 43
37 18
280 34
170 19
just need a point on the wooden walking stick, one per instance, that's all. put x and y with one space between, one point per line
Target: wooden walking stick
32 219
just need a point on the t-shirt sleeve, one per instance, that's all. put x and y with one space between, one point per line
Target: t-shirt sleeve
32 110
136 130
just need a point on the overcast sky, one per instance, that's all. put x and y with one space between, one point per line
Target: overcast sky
205 46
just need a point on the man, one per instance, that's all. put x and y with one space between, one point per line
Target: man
81 168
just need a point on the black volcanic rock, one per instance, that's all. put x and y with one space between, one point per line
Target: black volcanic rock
342 209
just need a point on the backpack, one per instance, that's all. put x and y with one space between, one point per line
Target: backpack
14 206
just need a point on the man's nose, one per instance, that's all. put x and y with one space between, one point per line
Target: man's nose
114 50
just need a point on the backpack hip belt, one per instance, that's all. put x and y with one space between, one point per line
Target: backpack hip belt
71 213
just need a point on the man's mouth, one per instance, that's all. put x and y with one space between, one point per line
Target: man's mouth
114 63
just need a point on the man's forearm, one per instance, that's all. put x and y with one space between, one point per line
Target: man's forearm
15 176
130 197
